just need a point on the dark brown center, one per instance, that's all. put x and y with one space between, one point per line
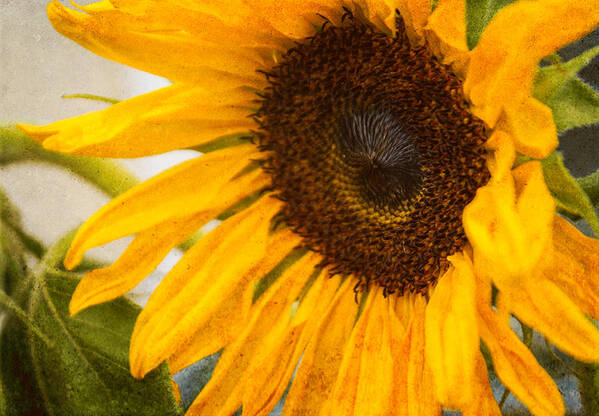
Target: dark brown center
370 144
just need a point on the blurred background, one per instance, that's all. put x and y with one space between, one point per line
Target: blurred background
39 66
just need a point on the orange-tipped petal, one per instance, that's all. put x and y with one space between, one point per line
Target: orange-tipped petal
364 384
268 375
422 398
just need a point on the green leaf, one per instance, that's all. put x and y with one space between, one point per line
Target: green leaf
10 218
567 193
574 103
12 249
590 185
86 372
478 15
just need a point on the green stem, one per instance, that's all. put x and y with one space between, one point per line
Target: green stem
32 244
588 386
93 97
54 255
12 306
504 396
106 175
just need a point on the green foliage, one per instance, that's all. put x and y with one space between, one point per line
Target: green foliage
569 196
84 370
478 15
590 185
574 103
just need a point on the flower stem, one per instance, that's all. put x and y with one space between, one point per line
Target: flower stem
93 97
106 175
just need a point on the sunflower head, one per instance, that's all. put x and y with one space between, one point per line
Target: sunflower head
386 151
374 151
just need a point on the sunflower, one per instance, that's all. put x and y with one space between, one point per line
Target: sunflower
361 160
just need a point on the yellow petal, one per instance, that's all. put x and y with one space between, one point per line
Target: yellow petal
185 189
530 123
142 256
414 13
230 315
446 30
422 398
189 294
380 13
400 347
504 155
175 117
229 23
542 305
485 404
365 381
375 383
189 59
575 266
223 394
517 367
504 63
508 223
452 334
268 374
318 369
296 20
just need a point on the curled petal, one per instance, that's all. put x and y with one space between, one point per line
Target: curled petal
415 14
504 153
509 222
